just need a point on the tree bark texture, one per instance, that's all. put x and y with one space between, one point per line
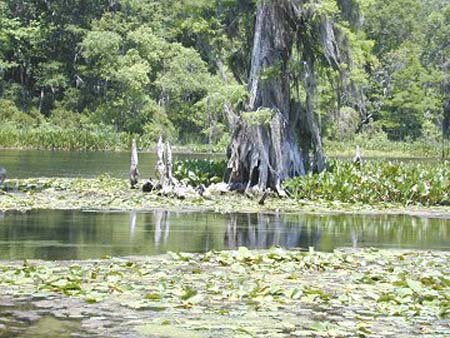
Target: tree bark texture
446 112
264 154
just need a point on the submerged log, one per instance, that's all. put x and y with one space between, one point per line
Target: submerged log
134 171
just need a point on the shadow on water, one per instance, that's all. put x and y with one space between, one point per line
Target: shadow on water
56 235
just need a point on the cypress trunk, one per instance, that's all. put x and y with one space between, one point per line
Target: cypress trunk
265 148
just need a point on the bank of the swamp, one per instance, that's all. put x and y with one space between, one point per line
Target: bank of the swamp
241 293
105 138
107 193
94 138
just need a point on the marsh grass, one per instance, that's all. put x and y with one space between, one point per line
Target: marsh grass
382 147
54 137
104 138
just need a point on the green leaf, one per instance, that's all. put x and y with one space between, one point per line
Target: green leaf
188 293
416 286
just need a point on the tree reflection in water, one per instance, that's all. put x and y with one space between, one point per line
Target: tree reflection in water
259 231
326 232
354 239
132 221
162 224
53 234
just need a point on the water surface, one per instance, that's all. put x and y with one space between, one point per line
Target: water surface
45 163
56 235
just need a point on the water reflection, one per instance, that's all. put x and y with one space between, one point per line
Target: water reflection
132 221
162 226
79 235
259 231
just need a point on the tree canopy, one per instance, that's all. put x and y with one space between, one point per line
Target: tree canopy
150 66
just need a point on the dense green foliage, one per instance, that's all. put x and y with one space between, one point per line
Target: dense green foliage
377 182
168 67
196 171
129 65
408 93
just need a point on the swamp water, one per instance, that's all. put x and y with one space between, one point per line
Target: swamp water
45 163
26 321
67 235
89 164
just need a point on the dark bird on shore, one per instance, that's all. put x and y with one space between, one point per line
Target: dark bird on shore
134 172
200 189
2 175
148 186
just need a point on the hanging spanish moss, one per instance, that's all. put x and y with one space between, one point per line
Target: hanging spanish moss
278 137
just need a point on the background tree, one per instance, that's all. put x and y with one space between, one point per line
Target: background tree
182 67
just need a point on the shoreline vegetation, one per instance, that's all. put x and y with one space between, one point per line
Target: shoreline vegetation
238 293
368 187
110 194
98 138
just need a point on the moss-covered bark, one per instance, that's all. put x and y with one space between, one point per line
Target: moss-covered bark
275 141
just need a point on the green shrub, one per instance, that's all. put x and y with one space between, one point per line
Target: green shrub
9 113
159 126
200 171
376 182
65 118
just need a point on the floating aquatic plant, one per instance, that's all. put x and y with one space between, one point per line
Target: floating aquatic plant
377 182
273 293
